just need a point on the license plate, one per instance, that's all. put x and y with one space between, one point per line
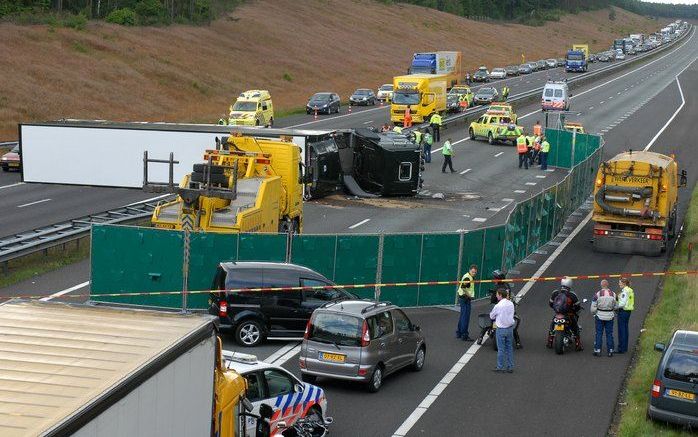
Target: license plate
335 358
628 234
14 164
559 328
681 395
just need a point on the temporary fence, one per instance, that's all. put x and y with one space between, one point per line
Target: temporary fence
133 261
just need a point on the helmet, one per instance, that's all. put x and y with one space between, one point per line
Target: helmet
498 275
566 282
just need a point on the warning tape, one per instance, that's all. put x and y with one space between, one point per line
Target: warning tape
374 285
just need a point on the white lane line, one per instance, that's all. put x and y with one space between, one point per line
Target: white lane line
540 176
290 354
12 185
33 203
479 219
506 199
610 98
149 200
591 107
354 226
683 103
320 120
520 191
465 171
281 352
531 183
499 154
453 144
618 92
368 122
602 102
66 291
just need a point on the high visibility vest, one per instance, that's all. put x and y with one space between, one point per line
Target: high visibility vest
446 150
397 129
468 290
537 130
428 139
545 146
417 137
435 119
222 122
408 113
630 305
505 91
521 144
531 141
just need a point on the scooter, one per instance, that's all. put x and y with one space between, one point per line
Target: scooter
563 337
303 427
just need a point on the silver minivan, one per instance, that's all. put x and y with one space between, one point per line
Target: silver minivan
360 340
556 96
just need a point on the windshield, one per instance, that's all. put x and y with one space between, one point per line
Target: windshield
386 88
320 98
524 66
406 97
575 57
340 329
682 366
245 106
15 149
487 91
361 92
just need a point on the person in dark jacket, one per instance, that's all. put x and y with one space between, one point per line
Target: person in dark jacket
572 312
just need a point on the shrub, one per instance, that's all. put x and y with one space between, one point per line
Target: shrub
287 77
123 16
77 22
149 12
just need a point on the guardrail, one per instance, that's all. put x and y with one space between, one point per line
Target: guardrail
27 243
9 143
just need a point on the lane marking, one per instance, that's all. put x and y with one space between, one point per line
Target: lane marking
11 185
479 219
520 191
498 154
280 352
683 103
601 102
368 122
66 291
465 171
33 203
148 200
506 199
288 355
540 176
354 226
531 183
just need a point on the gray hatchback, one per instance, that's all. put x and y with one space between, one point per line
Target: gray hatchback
360 340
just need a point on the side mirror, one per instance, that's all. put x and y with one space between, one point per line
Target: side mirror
298 388
659 347
683 178
247 405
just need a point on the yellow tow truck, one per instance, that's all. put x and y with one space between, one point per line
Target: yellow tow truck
252 108
496 126
504 108
574 127
246 184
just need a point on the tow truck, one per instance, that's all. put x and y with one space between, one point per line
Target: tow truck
574 127
246 184
496 126
504 108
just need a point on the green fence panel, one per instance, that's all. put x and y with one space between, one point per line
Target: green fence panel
207 251
473 245
357 260
560 148
262 247
439 263
127 259
492 255
534 229
401 259
316 252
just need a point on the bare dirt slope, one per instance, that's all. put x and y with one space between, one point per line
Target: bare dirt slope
291 47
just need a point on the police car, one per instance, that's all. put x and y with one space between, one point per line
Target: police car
289 397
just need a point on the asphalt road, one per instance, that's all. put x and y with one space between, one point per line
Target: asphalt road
581 388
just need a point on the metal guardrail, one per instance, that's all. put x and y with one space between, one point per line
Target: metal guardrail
9 143
33 241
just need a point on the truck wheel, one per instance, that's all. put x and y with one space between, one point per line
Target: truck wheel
472 133
249 333
490 138
256 122
202 168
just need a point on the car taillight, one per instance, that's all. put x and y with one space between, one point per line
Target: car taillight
222 309
657 388
306 334
365 337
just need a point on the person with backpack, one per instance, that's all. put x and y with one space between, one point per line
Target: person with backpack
603 307
565 301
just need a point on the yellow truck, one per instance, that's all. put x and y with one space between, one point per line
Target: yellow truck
635 203
247 184
252 108
424 94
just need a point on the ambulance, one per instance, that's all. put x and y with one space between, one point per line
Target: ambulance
252 108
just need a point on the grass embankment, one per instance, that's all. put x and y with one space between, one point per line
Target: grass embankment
676 308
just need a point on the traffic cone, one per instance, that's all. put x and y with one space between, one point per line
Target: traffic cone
350 106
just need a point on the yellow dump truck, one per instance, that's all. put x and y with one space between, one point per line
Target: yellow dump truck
425 94
635 200
247 184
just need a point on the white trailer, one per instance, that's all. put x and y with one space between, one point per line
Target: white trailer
92 371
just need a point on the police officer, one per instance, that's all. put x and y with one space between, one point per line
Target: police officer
397 129
522 150
626 305
505 93
447 152
466 293
222 121
428 142
544 150
530 144
435 122
417 137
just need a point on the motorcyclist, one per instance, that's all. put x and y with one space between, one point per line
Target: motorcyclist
499 276
572 312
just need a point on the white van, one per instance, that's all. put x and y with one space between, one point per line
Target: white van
556 96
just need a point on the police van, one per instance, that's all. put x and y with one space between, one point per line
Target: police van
556 96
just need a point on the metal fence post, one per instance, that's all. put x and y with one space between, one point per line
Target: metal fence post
379 269
421 261
185 264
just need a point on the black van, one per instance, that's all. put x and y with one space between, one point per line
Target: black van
256 315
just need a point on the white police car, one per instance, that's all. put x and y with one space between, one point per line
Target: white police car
289 397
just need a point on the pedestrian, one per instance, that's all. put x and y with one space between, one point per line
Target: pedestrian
435 122
522 150
428 142
466 293
407 122
502 316
467 78
447 152
223 121
530 144
626 305
603 307
505 93
417 137
544 150
537 129
536 151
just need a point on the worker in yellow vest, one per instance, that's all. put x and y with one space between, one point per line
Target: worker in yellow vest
465 293
522 150
626 305
544 151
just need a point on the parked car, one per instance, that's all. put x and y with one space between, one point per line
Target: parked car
498 73
542 65
512 70
560 62
290 398
323 102
551 63
254 316
362 96
481 75
360 341
525 69
675 387
604 57
486 95
592 58
620 55
11 160
534 66
385 92
631 51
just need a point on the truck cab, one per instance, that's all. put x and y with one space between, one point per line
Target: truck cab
424 94
576 61
252 108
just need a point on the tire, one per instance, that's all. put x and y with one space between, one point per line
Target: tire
376 381
310 379
490 138
419 357
217 179
202 168
559 342
6 169
472 133
249 333
256 122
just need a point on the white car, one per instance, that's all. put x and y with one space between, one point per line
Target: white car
289 397
385 92
498 73
619 55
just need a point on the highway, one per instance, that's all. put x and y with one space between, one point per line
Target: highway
456 393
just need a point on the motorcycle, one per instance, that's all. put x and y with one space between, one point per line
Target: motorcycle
303 427
563 337
488 327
